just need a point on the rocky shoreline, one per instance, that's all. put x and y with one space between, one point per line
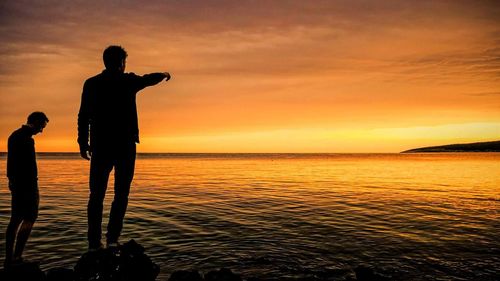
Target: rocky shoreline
490 146
129 263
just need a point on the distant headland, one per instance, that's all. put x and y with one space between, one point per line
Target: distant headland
490 146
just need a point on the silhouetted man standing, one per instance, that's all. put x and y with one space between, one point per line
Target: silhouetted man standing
23 184
108 112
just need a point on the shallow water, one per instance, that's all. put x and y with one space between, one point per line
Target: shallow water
412 216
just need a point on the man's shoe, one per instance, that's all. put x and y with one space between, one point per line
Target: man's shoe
95 248
19 262
7 263
112 245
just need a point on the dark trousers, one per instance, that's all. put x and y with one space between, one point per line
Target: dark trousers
25 199
122 158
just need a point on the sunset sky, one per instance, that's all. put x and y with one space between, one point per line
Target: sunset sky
262 76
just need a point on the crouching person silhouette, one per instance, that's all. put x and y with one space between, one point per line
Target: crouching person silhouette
107 135
23 184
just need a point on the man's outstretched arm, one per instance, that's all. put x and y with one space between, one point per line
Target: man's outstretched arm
84 124
151 79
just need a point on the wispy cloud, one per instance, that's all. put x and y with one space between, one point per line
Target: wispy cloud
250 65
484 94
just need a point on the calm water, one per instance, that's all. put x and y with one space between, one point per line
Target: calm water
412 216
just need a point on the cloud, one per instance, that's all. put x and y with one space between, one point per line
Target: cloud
484 94
258 64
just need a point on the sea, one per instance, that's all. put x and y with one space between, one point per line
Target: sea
422 216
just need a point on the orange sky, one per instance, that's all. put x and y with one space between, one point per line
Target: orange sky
263 76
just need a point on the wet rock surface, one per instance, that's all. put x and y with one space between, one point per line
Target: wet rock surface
24 271
128 262
365 273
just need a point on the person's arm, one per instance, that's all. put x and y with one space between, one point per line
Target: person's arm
17 170
84 123
150 79
13 158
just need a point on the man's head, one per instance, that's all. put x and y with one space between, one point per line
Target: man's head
37 120
114 58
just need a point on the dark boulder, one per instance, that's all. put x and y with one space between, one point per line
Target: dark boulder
365 273
124 263
223 274
24 271
135 265
185 275
60 274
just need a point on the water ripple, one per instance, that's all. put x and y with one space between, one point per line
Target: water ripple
287 215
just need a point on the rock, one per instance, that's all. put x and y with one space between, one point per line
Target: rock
223 274
132 248
125 263
60 274
185 275
135 264
365 273
98 265
25 271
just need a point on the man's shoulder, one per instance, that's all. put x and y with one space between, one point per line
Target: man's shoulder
94 78
18 135
17 131
15 135
104 78
20 132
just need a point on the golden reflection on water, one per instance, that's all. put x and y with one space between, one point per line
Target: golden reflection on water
334 209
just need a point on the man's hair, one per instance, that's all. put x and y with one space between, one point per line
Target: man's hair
113 56
37 116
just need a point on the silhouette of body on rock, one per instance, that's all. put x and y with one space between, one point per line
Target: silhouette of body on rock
23 184
107 135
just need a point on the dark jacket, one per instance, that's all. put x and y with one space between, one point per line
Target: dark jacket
108 108
21 158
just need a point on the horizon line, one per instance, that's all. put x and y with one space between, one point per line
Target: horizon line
75 152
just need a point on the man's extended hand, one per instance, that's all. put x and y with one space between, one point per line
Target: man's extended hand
85 153
167 76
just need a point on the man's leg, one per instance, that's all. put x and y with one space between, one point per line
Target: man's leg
29 201
10 238
15 220
100 167
124 173
22 237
